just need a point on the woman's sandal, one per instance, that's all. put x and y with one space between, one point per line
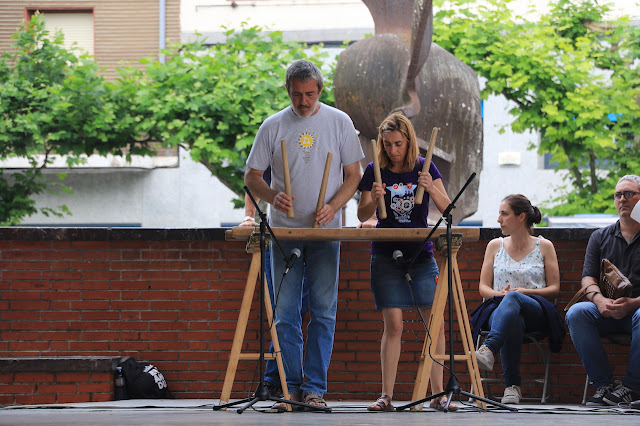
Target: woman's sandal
312 399
440 403
382 404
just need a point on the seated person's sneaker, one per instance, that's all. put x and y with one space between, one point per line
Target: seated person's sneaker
621 394
512 395
635 405
485 358
597 400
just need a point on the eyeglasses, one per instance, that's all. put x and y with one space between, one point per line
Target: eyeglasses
627 194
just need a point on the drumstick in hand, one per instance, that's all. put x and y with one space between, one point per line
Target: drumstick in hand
323 187
382 209
427 163
287 178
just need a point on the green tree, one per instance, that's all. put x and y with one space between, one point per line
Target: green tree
53 103
567 75
212 99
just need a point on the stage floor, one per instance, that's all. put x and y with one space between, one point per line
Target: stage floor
199 412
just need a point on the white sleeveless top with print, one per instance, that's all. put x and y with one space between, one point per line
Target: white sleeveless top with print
527 273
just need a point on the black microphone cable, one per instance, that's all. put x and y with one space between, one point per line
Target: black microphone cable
295 254
399 258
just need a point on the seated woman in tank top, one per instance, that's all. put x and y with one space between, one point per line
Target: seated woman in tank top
519 277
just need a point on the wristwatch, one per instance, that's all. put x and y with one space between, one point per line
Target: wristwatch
248 218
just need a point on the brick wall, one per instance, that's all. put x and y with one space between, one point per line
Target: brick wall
172 297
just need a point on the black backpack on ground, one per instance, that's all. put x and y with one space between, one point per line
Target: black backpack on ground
143 380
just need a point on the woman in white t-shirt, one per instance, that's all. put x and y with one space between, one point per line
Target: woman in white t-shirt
518 269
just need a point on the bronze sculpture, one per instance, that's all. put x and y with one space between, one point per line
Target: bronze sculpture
399 68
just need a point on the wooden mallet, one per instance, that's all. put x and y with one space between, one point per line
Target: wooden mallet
287 178
323 187
427 163
382 209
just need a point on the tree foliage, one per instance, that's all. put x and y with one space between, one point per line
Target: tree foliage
212 99
208 99
568 75
52 102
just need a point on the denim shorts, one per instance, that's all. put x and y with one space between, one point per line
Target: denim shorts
391 288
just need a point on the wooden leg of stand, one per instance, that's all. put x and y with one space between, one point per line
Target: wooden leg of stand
436 319
465 332
276 345
241 327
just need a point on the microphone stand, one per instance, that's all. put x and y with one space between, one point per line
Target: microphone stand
453 386
262 393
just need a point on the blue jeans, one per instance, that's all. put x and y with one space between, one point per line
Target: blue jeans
271 373
318 265
514 316
586 326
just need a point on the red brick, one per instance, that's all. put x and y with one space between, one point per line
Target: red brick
60 316
88 305
33 377
35 399
129 265
22 388
61 275
159 315
166 245
90 245
21 275
212 275
90 285
57 388
130 245
72 398
99 335
30 245
164 254
106 388
61 254
130 275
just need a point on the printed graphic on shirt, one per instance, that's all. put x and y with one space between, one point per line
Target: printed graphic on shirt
307 142
402 201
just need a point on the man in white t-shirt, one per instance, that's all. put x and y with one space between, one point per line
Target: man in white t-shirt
311 130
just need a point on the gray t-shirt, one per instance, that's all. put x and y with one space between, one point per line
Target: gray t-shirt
308 141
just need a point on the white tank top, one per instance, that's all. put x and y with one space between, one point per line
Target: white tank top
527 273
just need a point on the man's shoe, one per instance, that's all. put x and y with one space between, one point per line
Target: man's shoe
273 390
512 395
485 358
597 400
621 394
635 404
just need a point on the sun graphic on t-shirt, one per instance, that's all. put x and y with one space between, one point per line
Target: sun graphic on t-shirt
306 140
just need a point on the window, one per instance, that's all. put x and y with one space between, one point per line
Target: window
76 25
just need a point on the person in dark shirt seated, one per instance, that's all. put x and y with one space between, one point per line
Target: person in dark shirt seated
588 320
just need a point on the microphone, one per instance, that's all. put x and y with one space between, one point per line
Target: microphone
398 257
295 253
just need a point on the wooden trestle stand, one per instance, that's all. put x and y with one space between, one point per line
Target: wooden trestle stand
436 319
253 246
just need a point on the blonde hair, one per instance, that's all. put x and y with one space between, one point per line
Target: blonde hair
398 122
